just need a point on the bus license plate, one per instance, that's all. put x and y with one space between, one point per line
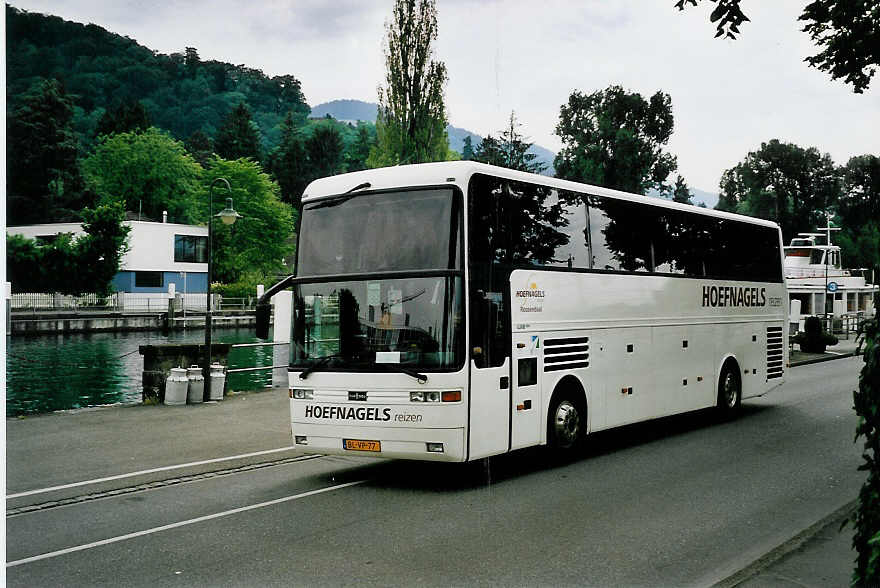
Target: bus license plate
361 445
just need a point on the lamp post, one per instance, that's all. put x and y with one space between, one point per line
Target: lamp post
228 216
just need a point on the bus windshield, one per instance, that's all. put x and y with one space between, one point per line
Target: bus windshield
391 231
363 310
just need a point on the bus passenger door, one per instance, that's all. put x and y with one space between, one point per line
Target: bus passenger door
525 409
490 386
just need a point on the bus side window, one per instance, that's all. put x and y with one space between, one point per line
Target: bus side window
620 235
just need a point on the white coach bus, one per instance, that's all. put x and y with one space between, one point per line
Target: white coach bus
454 311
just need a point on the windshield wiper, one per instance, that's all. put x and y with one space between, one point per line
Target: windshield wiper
337 200
319 363
422 378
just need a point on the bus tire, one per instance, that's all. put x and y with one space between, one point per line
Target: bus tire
566 423
729 390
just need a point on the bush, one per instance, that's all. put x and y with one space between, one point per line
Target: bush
245 287
866 518
814 338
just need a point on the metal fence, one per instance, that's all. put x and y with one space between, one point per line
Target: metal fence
38 301
125 302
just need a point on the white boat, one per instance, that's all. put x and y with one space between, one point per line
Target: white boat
818 286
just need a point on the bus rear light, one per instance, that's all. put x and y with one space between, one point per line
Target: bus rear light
451 396
302 394
434 447
301 440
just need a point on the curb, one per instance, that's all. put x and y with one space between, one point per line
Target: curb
823 359
781 551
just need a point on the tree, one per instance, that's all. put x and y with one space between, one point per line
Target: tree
150 172
261 240
681 192
848 33
467 152
411 122
860 198
99 254
782 182
615 138
44 183
181 92
24 264
324 149
859 212
238 136
288 164
510 151
125 117
359 151
200 147
866 518
69 265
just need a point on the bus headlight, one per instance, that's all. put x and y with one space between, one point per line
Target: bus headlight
424 396
302 394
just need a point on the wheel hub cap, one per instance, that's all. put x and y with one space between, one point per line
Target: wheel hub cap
567 424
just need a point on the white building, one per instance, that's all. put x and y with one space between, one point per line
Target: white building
160 254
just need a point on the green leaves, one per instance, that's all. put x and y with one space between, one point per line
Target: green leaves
411 123
615 138
44 180
848 34
510 150
782 182
149 171
83 265
262 240
239 136
866 519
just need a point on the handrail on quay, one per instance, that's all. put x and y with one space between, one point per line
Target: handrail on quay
260 367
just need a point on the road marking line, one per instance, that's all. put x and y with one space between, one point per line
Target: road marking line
142 472
217 515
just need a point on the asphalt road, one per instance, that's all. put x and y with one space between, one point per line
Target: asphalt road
680 501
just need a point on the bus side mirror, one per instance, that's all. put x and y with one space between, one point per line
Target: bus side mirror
264 311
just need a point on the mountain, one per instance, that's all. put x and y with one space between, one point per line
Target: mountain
708 198
101 70
346 110
354 110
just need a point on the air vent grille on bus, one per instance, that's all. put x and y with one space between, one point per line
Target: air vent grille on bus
774 352
566 354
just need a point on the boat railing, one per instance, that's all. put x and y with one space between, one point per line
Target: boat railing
813 272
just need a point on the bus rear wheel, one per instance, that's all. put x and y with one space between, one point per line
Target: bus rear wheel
729 391
566 424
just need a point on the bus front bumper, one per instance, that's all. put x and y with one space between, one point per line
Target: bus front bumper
397 443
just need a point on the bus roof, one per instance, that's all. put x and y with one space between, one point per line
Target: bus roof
459 173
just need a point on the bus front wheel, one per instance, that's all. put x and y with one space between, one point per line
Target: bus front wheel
729 391
567 424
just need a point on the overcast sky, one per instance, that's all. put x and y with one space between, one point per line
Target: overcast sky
728 96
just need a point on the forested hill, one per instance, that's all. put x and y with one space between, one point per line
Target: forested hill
101 70
354 110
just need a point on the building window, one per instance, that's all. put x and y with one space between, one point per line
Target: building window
190 249
149 280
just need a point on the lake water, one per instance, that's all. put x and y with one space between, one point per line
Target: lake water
45 373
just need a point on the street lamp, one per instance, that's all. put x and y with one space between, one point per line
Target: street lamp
228 216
